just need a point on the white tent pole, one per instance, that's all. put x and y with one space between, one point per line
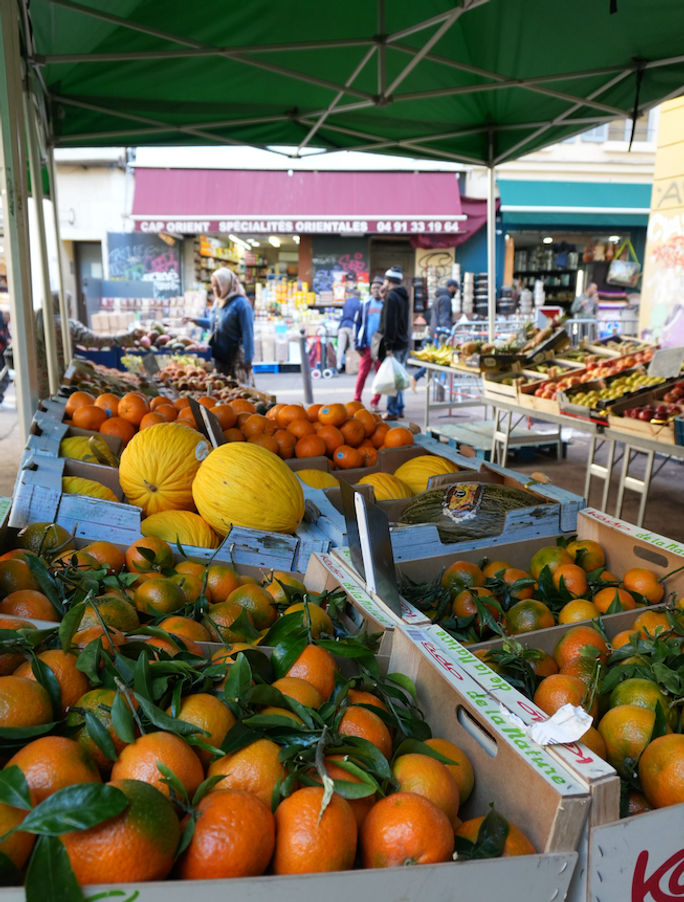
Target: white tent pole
491 251
15 205
37 194
64 311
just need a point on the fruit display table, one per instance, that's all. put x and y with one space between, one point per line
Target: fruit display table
507 415
448 387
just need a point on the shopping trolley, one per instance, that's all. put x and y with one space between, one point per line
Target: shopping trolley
322 355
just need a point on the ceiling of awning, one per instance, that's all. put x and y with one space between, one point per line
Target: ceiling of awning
480 81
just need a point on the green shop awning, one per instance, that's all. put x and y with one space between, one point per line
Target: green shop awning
541 203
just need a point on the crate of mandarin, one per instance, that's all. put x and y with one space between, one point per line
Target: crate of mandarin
296 755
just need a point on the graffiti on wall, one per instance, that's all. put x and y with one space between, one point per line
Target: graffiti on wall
135 257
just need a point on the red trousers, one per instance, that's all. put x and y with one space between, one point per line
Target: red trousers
365 364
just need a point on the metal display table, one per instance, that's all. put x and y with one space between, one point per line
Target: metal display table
506 412
462 388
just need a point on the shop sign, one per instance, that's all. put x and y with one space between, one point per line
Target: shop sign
304 225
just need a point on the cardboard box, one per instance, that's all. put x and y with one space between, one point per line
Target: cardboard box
507 771
625 545
618 859
526 784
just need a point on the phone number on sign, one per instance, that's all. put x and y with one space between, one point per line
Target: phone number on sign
415 226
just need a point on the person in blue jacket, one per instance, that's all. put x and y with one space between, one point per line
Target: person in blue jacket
366 323
232 335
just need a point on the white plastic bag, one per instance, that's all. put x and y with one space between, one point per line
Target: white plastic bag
390 378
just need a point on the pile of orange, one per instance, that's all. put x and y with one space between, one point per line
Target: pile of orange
562 584
349 434
627 684
157 740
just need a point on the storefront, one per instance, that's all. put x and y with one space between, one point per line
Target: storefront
561 236
299 238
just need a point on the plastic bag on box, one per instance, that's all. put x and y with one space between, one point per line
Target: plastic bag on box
390 378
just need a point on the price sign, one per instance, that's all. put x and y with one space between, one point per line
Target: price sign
666 363
149 361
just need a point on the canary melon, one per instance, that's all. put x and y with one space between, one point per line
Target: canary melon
387 487
159 464
317 479
77 447
417 472
76 485
183 527
244 484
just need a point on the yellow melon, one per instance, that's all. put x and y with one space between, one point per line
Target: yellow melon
78 447
387 487
418 471
158 465
76 485
244 484
317 479
180 526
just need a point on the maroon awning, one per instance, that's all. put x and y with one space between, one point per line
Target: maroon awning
201 201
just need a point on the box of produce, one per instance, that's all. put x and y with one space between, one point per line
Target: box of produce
618 346
503 503
552 367
261 740
593 399
624 671
527 586
177 487
546 340
508 383
104 569
469 511
652 414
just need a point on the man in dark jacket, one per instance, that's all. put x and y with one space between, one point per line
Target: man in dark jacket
394 326
441 311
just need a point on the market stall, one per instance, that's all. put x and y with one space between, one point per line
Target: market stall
564 800
517 531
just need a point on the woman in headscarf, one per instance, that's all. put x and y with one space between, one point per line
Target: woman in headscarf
232 336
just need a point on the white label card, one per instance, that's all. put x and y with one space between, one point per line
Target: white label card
666 363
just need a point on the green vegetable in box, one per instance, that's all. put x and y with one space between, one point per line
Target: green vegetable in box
466 510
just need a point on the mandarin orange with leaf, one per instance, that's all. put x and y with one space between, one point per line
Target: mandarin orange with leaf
138 761
137 845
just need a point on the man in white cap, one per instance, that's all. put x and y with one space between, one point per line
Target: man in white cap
394 326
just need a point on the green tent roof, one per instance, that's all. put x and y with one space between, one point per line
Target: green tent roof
477 80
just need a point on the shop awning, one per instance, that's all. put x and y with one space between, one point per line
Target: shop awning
200 201
539 203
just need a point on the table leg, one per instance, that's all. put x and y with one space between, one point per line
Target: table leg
501 436
428 380
634 483
608 475
601 471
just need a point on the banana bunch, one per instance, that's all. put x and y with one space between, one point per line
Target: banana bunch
430 354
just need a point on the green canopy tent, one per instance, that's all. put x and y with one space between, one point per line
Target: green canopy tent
477 81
